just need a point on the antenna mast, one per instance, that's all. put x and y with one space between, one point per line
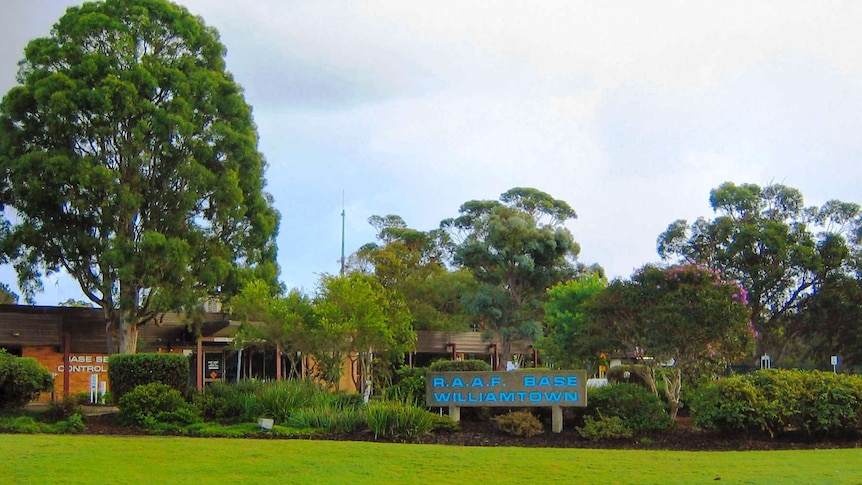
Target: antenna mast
342 233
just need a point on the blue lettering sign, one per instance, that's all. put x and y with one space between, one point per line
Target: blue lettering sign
529 381
438 382
457 382
477 382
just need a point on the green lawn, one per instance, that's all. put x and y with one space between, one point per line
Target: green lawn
148 460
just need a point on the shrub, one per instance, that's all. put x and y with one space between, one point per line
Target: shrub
127 371
775 401
469 365
22 379
519 423
444 423
733 404
409 386
398 420
639 409
60 409
156 403
604 427
74 423
222 402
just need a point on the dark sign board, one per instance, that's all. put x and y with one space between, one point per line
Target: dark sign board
521 388
213 366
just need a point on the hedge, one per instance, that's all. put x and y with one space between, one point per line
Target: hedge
468 365
775 401
127 371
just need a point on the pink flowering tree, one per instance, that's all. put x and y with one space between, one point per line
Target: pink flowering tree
681 317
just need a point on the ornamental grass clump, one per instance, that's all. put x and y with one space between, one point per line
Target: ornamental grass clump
398 420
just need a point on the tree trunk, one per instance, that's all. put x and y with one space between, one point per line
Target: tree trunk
128 333
672 385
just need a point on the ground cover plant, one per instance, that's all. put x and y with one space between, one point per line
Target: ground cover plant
35 458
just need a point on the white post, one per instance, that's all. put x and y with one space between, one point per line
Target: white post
556 419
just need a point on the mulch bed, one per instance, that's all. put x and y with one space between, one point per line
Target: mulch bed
683 438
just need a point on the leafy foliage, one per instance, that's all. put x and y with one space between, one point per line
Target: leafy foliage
467 365
409 386
765 238
604 427
516 249
686 314
130 159
831 321
7 296
776 401
414 264
127 371
355 313
156 403
638 409
60 409
22 379
570 341
519 423
284 322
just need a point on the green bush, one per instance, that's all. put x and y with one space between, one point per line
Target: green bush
519 423
150 405
398 420
469 365
22 379
409 386
223 402
604 427
128 371
74 423
639 409
775 401
60 409
732 404
444 423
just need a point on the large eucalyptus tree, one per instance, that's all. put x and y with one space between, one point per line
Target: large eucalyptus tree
517 248
781 251
128 158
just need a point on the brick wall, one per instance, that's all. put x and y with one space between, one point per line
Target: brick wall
82 366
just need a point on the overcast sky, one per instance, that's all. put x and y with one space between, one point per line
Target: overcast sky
630 111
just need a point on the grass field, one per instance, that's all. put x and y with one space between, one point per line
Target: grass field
150 460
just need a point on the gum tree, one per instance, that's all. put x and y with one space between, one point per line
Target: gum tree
779 249
517 248
129 159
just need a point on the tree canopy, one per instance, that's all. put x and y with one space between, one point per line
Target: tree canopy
571 341
413 263
516 248
354 313
129 158
685 314
776 247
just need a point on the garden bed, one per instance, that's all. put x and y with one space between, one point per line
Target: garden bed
475 433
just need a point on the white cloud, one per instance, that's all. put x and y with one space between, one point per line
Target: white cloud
630 111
